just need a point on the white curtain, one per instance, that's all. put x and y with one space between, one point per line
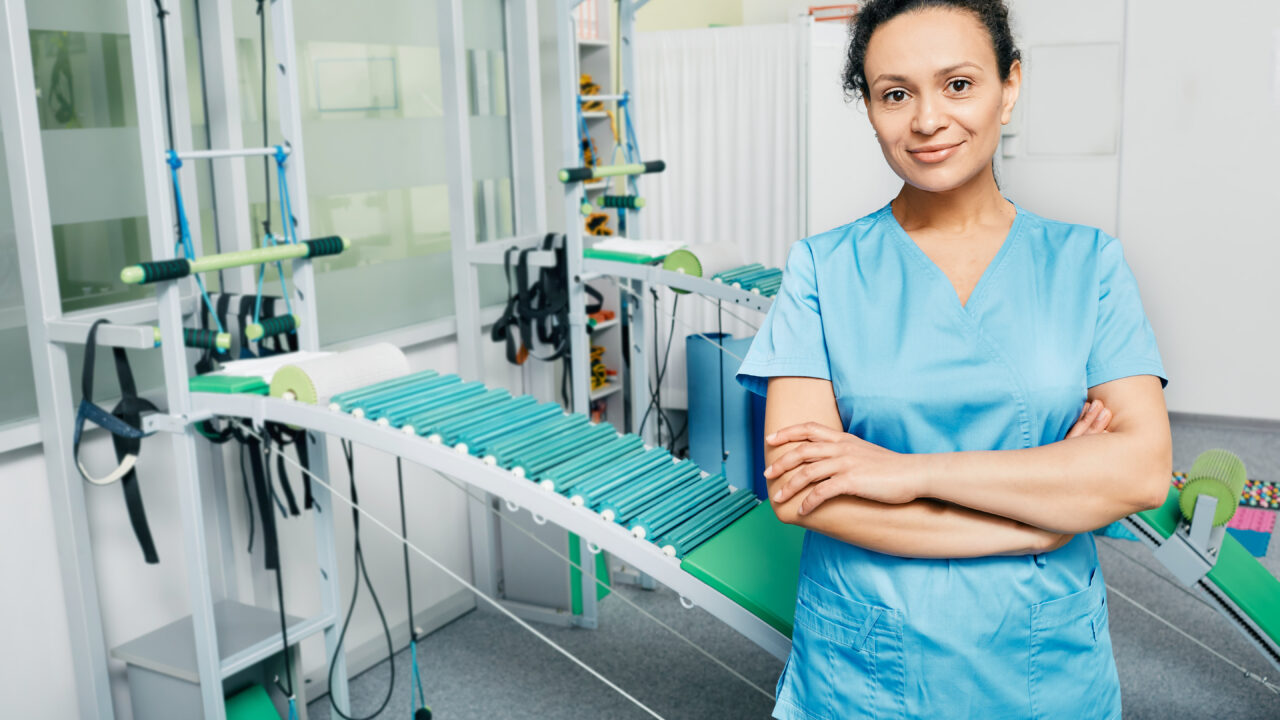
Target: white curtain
722 107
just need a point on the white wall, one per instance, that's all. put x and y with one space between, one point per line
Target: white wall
1199 192
36 679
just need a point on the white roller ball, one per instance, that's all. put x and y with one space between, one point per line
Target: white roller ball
460 448
607 516
576 501
517 471
490 460
547 485
383 422
669 550
358 413
408 430
335 407
638 532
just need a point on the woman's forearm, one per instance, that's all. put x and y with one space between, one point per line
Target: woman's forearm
923 529
1071 486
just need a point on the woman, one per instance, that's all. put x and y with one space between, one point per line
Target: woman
925 366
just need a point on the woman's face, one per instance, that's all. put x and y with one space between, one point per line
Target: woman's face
935 97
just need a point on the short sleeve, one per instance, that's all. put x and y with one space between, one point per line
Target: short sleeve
1123 343
790 343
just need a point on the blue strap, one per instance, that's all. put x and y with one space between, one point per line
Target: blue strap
290 234
184 233
417 697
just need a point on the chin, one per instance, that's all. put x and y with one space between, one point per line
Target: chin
938 179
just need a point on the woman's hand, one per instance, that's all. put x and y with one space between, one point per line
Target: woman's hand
837 463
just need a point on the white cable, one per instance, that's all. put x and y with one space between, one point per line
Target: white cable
473 588
1270 686
467 489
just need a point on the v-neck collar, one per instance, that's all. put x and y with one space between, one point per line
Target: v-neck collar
992 268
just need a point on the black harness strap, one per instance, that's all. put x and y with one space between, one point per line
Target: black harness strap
270 545
284 436
123 422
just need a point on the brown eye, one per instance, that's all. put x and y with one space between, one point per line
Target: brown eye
895 96
959 85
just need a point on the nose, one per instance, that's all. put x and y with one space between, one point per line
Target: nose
929 117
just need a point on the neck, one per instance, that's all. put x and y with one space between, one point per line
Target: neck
977 202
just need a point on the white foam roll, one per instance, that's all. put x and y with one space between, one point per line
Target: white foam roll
718 257
318 379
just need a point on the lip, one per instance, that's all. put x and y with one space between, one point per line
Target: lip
934 153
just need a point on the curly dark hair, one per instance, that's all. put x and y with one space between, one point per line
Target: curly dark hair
991 13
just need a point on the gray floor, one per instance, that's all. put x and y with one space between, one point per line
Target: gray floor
484 666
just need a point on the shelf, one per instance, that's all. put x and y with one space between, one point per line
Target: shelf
608 389
603 326
592 43
592 187
595 115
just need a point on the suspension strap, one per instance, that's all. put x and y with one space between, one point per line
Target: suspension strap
123 422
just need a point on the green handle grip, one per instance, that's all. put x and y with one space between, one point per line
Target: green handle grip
603 171
272 326
150 272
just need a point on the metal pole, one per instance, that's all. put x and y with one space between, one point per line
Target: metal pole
186 472
232 153
20 125
305 300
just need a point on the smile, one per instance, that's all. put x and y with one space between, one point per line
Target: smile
934 153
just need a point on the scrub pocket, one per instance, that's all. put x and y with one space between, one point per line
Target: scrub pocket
846 659
1073 673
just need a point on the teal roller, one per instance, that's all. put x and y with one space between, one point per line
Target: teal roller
399 414
503 451
341 400
566 444
625 507
435 416
449 431
731 275
481 440
707 523
593 491
482 436
669 512
588 479
364 406
605 501
598 436
564 430
564 474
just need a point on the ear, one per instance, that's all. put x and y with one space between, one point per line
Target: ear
1012 86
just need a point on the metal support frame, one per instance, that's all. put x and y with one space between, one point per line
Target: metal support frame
33 228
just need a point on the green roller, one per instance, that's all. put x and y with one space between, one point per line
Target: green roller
625 202
683 261
378 388
1218 473
405 395
272 326
179 268
482 436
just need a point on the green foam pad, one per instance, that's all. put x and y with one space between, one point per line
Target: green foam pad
756 563
636 258
252 703
1237 573
228 384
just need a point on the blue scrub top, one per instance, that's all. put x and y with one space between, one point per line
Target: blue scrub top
1056 312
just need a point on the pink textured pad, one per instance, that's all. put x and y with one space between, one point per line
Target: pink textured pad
1247 518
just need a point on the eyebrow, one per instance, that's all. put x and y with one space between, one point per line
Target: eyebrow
943 71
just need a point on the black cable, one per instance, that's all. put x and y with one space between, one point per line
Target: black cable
404 533
161 13
655 391
361 571
244 477
266 141
724 451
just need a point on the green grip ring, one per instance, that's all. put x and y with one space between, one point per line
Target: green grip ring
272 326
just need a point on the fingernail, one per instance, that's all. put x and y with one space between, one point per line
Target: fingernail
768 470
778 496
770 437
